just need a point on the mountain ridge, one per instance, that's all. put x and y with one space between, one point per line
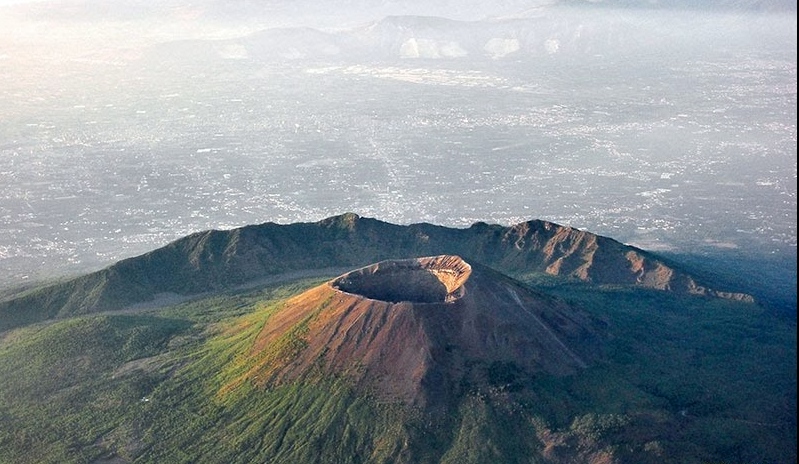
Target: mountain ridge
215 260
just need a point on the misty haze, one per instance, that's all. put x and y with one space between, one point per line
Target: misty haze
124 128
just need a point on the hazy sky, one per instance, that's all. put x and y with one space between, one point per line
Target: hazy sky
734 4
12 2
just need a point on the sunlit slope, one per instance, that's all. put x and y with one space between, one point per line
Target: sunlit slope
668 378
215 260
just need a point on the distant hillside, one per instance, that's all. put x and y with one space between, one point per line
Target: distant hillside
216 260
525 35
530 34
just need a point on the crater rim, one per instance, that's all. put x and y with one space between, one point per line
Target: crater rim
425 280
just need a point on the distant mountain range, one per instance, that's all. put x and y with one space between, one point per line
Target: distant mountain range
216 260
527 35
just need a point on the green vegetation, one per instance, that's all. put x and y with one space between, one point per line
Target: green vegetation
683 380
714 379
66 386
771 278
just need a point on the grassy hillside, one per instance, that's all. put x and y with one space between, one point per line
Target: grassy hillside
716 381
683 380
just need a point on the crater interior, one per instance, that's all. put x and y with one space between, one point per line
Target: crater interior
435 279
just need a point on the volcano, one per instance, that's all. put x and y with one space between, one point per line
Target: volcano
435 360
422 330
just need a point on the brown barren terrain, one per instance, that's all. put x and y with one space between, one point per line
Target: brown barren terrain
416 329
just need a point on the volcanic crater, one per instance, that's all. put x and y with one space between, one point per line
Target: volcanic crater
417 330
438 279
